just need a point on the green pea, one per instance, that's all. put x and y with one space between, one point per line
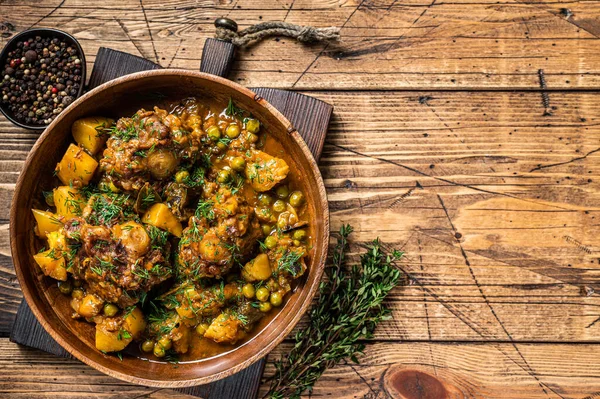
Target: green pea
165 342
201 329
49 197
148 346
248 291
282 223
238 163
296 243
253 125
181 176
299 235
253 138
232 131
214 133
262 294
77 293
279 206
265 199
110 309
275 299
296 198
221 146
282 192
223 176
271 242
159 351
65 287
266 229
264 307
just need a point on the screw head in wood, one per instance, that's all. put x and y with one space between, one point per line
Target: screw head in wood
226 23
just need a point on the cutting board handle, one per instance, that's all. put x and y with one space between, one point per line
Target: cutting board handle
217 55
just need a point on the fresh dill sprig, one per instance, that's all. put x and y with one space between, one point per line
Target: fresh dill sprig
158 237
232 110
107 208
196 179
161 318
125 134
289 262
205 210
349 308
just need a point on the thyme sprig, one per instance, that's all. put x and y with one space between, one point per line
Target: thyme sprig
349 308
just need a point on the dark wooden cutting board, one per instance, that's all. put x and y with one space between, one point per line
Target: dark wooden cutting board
308 115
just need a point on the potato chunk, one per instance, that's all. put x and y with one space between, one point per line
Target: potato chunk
159 215
257 269
265 171
108 341
76 167
224 328
213 249
90 306
57 241
135 323
68 201
52 264
88 132
113 336
46 222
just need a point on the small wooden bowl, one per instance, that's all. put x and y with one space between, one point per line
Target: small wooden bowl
123 96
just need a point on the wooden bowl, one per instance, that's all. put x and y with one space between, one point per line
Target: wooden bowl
121 97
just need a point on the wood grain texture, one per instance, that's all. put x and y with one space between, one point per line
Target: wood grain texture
474 371
111 64
217 57
462 371
494 200
416 44
466 147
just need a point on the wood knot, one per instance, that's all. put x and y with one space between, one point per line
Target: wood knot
586 291
424 100
349 184
565 12
6 29
413 384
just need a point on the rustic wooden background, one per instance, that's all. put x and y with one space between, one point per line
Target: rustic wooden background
464 131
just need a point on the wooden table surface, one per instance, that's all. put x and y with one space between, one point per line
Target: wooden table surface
441 143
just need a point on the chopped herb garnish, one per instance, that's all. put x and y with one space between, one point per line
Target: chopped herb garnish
232 110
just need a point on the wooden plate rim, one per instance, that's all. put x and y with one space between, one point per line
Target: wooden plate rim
312 289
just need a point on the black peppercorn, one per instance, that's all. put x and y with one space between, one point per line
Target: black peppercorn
30 56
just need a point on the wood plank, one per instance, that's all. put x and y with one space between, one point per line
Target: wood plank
465 370
529 236
453 370
417 44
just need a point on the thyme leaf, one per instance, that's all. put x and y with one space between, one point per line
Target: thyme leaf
349 308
